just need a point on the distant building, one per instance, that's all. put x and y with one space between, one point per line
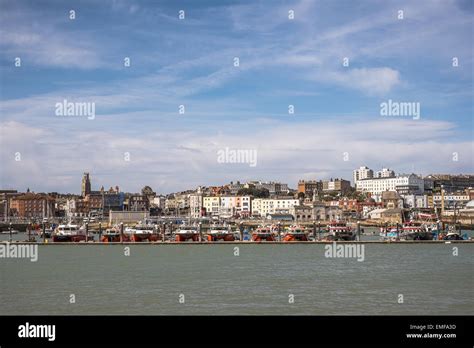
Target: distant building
451 183
405 183
362 173
274 188
308 187
195 204
336 185
385 173
264 206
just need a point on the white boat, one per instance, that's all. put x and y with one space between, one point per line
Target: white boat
220 233
69 233
187 232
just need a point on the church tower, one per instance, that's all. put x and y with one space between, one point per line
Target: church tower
86 185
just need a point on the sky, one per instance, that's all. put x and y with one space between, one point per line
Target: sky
417 52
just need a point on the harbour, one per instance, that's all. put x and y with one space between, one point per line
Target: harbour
258 281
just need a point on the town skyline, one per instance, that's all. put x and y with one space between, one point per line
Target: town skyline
139 92
294 187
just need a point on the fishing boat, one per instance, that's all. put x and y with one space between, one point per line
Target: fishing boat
110 235
217 233
296 233
69 233
263 234
139 233
186 233
415 231
338 230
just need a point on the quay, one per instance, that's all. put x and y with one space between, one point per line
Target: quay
406 242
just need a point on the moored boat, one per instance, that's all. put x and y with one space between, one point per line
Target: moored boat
69 233
263 234
110 235
415 231
338 230
217 233
186 233
296 233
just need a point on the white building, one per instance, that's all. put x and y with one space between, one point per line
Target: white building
385 173
362 173
265 206
195 205
403 183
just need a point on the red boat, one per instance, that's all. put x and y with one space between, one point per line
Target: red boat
110 235
296 233
186 233
217 233
263 234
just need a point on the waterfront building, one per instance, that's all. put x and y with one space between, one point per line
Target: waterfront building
362 173
211 204
196 204
264 206
32 205
409 183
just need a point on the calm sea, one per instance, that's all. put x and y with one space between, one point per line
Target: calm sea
263 279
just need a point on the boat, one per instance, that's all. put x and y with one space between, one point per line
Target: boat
110 235
296 233
217 233
139 233
389 233
415 231
186 233
263 234
69 233
338 230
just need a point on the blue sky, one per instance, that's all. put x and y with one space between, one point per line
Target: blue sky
190 62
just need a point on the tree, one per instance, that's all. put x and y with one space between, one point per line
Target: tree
258 193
